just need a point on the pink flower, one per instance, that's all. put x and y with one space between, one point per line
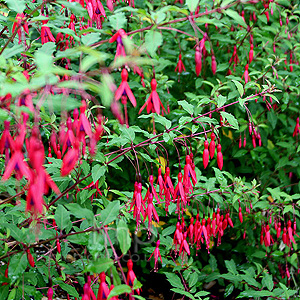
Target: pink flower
153 103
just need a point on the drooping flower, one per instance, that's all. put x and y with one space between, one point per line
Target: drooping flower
103 291
153 102
131 276
157 255
123 92
46 35
180 66
20 21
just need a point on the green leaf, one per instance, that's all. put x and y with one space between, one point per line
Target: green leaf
15 232
100 265
118 20
174 280
234 15
187 106
118 290
239 86
267 281
110 213
69 289
221 100
192 4
17 265
153 39
16 5
183 292
231 119
123 236
128 133
231 267
163 121
62 218
97 172
252 293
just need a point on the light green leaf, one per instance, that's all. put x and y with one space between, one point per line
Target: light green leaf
187 106
153 39
123 236
97 172
231 119
118 21
118 290
239 86
183 292
192 4
110 213
16 5
234 15
69 289
62 217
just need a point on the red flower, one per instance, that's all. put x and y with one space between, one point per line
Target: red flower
180 66
46 35
157 255
70 160
153 103
103 291
131 276
20 21
123 92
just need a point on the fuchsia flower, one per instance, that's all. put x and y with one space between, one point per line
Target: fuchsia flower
198 60
6 141
212 146
296 129
160 183
157 255
96 11
188 174
84 126
131 276
219 157
118 37
17 162
150 212
70 159
123 92
46 35
205 154
251 53
179 194
246 74
50 293
69 138
153 102
103 291
180 66
20 22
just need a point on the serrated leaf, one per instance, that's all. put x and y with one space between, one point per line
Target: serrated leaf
239 86
192 4
235 16
183 292
174 280
231 119
267 281
187 106
16 5
153 39
97 172
118 20
118 290
231 267
163 121
100 265
62 217
110 213
123 236
69 289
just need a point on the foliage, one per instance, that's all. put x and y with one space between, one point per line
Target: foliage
105 106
